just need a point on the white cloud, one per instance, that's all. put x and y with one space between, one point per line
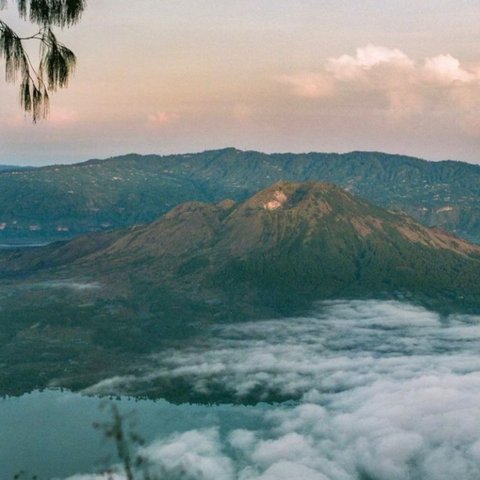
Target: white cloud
290 446
245 439
111 476
309 85
296 357
109 384
391 391
160 119
285 470
387 80
347 67
71 284
445 70
192 455
242 112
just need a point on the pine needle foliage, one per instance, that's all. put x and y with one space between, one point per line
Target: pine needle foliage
56 62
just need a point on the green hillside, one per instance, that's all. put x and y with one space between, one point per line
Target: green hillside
61 201
99 305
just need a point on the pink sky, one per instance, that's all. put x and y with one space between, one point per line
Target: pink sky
285 75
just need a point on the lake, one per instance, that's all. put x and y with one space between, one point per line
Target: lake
384 390
51 433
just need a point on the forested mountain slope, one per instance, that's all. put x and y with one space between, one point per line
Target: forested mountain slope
61 201
75 312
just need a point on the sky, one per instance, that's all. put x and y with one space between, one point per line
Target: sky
158 76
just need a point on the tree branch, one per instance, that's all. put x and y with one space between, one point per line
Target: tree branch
56 62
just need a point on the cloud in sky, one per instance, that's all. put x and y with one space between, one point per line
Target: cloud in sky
390 391
160 119
446 70
347 67
388 79
310 85
204 57
242 112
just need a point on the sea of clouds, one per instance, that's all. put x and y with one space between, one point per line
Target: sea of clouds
383 391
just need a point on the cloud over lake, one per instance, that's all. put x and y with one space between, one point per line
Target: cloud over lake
383 390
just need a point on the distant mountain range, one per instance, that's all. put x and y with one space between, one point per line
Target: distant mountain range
82 310
7 168
61 201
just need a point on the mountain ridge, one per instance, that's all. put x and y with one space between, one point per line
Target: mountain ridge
285 211
56 202
76 312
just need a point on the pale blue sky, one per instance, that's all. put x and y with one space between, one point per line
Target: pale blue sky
158 76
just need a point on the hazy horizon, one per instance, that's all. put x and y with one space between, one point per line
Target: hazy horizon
196 152
286 77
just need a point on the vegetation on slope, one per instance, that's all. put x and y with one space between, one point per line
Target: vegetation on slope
61 201
77 312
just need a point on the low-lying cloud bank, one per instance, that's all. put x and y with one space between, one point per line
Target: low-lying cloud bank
68 284
387 391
